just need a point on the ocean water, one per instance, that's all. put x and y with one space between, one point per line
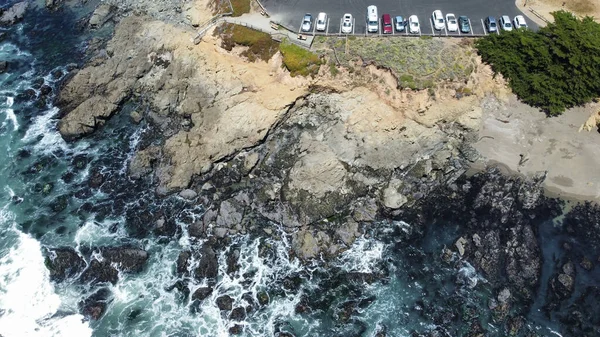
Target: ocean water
383 284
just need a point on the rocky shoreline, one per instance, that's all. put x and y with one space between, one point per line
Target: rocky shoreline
326 162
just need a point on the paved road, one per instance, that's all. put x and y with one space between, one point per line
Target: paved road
290 12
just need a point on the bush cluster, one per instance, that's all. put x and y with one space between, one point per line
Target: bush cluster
298 60
260 45
555 68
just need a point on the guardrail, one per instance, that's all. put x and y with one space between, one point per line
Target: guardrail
203 28
540 16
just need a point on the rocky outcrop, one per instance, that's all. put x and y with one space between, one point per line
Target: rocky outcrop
94 306
112 260
101 15
14 13
63 263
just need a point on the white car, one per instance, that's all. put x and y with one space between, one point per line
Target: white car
438 19
505 23
413 24
451 22
347 23
306 23
321 22
519 22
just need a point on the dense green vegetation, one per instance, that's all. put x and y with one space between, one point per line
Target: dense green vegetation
298 60
555 68
260 45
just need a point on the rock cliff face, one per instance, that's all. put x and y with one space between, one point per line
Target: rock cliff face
253 144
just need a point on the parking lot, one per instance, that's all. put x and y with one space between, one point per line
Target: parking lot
290 13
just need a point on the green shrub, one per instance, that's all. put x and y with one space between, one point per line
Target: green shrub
298 60
260 45
554 68
240 7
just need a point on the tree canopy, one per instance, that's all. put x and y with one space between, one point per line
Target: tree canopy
555 68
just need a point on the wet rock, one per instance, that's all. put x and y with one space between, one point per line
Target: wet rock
45 90
224 302
230 214
504 295
202 293
263 298
236 329
79 162
238 314
208 265
136 117
59 204
391 197
460 245
101 15
305 245
94 306
96 179
183 262
3 67
99 272
63 263
143 161
188 194
52 4
233 261
14 14
586 264
125 258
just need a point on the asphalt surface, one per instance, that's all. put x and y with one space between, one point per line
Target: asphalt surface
290 13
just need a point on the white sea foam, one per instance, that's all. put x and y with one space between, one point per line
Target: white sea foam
44 126
27 298
10 113
363 256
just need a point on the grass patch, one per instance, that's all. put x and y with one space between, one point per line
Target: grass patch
240 7
260 45
417 63
299 61
333 70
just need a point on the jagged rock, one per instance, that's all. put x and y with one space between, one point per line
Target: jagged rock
230 214
143 161
94 306
183 262
3 67
52 4
202 293
305 245
238 314
224 302
125 258
99 272
504 296
63 263
208 265
460 245
101 15
14 14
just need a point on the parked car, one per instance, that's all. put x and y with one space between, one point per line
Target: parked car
451 22
347 23
464 24
519 22
386 23
438 19
372 19
505 23
306 23
400 23
490 24
321 22
413 24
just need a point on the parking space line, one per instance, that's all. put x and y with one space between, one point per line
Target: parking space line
341 25
471 26
445 31
497 31
314 28
458 31
379 26
300 29
484 29
431 25
327 28
353 25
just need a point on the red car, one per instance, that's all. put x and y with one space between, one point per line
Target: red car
386 21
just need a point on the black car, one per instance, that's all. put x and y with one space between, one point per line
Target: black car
463 24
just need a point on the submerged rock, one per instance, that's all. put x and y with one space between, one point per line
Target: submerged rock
114 259
224 302
94 306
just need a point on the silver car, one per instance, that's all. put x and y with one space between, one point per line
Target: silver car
347 23
306 23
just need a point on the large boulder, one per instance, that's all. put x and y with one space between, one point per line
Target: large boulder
114 259
208 264
14 14
101 15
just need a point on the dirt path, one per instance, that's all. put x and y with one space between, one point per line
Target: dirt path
545 7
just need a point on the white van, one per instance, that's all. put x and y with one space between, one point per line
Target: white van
372 19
